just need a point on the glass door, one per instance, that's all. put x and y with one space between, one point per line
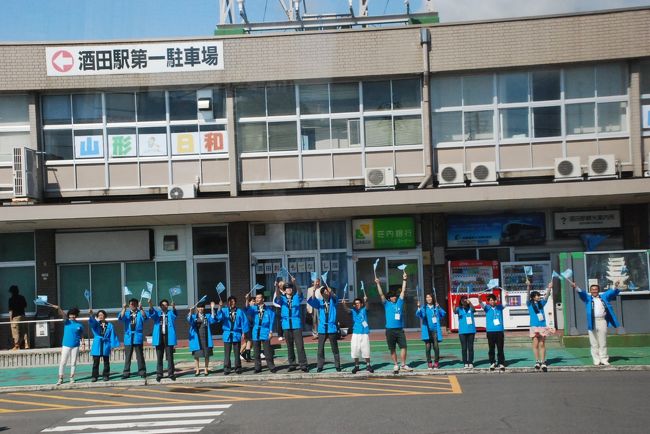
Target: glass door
207 275
265 268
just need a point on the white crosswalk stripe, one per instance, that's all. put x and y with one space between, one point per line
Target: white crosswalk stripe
141 420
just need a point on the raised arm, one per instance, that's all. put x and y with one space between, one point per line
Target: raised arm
380 291
528 289
403 293
549 290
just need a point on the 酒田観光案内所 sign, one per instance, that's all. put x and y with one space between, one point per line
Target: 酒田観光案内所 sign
384 233
134 58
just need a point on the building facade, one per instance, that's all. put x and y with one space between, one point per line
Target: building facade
184 163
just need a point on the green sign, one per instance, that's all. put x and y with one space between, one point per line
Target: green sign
384 233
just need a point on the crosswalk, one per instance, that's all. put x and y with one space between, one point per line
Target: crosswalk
141 420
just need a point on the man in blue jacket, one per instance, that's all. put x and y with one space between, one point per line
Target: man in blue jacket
262 317
233 323
164 336
327 327
289 302
133 322
600 315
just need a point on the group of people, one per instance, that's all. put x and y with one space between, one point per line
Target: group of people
254 323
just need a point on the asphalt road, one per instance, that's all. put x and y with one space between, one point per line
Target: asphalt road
571 402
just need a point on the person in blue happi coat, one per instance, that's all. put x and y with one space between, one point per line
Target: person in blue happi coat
104 340
200 336
133 321
234 323
325 300
431 314
164 336
262 318
289 297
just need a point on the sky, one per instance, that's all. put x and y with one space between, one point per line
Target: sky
70 20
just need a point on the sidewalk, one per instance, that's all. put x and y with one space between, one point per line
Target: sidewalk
518 356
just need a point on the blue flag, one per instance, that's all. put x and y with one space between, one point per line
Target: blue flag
314 276
201 300
528 269
220 288
283 274
402 267
150 287
323 278
256 288
556 275
41 302
375 264
631 286
176 290
345 292
493 283
87 295
127 291
567 274
145 294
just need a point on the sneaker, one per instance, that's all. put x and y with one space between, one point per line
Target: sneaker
466 366
305 369
470 366
338 369
605 363
59 381
538 365
94 379
430 365
262 356
406 368
107 378
370 369
158 378
355 370
242 358
502 368
172 377
436 365
544 367
493 366
238 371
396 369
71 380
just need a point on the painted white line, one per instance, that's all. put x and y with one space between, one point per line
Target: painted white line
150 424
146 416
156 431
150 409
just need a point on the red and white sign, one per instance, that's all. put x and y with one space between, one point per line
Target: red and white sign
62 61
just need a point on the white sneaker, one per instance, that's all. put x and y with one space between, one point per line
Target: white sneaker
466 366
280 338
493 366
605 363
470 366
406 368
71 380
262 356
242 358
59 381
396 369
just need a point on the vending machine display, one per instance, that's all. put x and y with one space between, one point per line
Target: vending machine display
513 275
470 278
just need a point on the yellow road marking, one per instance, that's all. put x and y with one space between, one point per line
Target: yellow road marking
112 394
336 386
266 386
406 385
311 384
59 407
438 381
178 393
455 385
52 396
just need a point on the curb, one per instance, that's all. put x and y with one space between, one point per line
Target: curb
234 378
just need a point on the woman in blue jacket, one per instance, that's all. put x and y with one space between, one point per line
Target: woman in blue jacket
430 315
466 330
262 318
133 322
104 340
164 336
72 338
200 336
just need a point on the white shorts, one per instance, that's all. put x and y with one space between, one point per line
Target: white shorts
360 346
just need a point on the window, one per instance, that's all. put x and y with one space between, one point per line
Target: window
151 106
219 103
513 87
56 109
87 108
314 99
182 105
16 247
547 122
479 125
376 95
210 240
477 90
170 275
579 82
344 97
137 274
407 93
105 284
281 100
8 141
120 107
611 79
300 236
251 137
446 92
73 281
315 134
612 117
448 127
408 130
346 133
14 110
24 277
379 131
58 144
333 235
546 85
514 123
645 77
250 102
282 136
580 118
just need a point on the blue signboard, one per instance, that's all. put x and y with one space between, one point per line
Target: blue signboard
495 230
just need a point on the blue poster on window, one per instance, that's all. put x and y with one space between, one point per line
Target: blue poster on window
495 230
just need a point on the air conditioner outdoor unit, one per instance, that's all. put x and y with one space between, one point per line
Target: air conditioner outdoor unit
483 173
26 173
568 169
185 191
451 175
602 166
380 178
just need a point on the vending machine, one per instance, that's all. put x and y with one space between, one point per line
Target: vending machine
470 278
513 283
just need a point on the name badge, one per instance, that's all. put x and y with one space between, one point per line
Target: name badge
364 324
540 316
398 316
496 322
434 319
469 320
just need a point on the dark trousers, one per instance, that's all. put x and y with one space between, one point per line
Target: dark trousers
278 321
496 339
139 355
294 337
107 366
268 354
467 347
168 352
335 349
432 343
228 347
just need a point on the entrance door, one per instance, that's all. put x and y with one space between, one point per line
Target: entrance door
391 279
265 269
207 275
